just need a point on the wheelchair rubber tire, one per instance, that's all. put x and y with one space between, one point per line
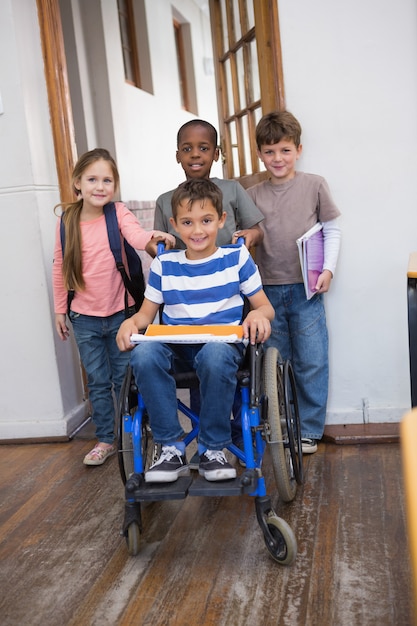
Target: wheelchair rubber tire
128 405
133 538
278 440
125 458
283 546
293 422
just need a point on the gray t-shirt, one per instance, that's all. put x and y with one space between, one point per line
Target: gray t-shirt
290 209
241 211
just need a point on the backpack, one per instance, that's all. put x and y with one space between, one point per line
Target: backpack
135 285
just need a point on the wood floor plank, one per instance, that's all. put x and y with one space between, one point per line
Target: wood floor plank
203 560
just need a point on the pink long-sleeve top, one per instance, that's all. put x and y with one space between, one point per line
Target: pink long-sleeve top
104 289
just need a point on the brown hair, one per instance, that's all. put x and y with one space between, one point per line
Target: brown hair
72 270
278 125
197 189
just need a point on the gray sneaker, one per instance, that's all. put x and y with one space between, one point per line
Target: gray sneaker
309 446
170 465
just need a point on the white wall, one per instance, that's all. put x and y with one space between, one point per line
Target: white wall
40 388
350 77
145 147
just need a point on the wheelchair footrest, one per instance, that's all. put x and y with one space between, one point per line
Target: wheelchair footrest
151 492
245 483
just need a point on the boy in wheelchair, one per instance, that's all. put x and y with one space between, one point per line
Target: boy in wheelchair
202 285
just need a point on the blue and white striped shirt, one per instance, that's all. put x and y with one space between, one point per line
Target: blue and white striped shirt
204 291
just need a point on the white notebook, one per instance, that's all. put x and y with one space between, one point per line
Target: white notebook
189 334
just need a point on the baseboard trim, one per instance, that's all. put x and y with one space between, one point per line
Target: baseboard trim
345 434
58 439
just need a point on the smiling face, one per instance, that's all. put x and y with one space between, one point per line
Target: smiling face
280 159
197 225
196 151
97 186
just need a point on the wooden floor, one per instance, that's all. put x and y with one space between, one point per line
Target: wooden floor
203 561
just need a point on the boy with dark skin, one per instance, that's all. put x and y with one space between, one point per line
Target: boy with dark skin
197 149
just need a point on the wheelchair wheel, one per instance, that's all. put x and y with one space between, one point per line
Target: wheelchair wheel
278 436
133 538
127 406
281 544
293 422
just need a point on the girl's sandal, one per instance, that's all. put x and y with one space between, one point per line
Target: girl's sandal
98 454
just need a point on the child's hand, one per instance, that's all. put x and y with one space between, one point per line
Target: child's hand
124 333
256 327
323 281
166 237
61 326
152 245
252 236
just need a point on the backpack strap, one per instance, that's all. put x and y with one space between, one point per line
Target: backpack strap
71 292
134 282
113 233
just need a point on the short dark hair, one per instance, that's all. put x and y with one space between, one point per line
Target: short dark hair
197 189
209 127
276 126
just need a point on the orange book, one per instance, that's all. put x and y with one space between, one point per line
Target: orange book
190 334
155 330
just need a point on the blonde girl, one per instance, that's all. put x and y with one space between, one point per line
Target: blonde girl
88 267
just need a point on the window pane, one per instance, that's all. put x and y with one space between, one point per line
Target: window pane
127 60
233 135
253 73
182 81
240 68
246 145
236 20
224 26
250 14
235 153
228 78
124 30
257 114
235 157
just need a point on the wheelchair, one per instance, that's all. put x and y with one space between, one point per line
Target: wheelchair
270 420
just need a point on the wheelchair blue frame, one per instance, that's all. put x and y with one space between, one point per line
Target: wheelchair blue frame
278 536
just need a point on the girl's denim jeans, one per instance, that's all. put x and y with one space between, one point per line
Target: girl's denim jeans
104 364
299 332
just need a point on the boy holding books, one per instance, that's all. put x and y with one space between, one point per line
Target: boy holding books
201 285
292 202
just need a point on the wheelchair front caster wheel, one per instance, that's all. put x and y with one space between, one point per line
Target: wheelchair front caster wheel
280 540
133 538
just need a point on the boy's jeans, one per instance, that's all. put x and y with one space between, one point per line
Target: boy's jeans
216 365
299 332
104 364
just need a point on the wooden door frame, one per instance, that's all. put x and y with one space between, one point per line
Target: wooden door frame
268 45
52 41
56 76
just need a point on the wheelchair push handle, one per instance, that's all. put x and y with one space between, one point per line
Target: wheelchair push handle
160 247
